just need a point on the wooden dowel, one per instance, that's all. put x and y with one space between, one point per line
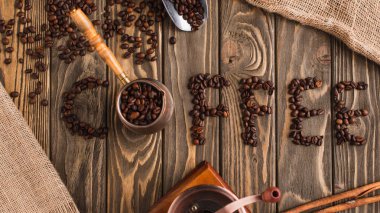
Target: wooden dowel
355 193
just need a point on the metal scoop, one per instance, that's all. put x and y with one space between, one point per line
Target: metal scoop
87 28
178 19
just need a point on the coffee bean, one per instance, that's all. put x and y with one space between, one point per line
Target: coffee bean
32 101
14 94
172 40
44 102
5 41
9 49
7 61
32 95
34 75
18 4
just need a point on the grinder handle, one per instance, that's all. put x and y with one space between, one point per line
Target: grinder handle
87 28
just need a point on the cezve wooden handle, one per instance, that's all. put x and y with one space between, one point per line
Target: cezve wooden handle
87 28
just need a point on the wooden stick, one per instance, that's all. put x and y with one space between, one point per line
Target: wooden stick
353 194
351 204
87 28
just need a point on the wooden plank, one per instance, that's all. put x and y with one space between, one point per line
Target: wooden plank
194 53
80 163
304 173
247 49
11 72
134 161
357 166
14 77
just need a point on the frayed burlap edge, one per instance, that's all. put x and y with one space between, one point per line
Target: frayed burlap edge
367 45
28 180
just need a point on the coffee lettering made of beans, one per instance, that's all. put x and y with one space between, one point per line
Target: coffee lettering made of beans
251 109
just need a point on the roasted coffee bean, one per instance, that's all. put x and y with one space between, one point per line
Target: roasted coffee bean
9 49
18 4
72 120
32 101
7 61
172 40
14 94
44 102
34 75
197 85
5 41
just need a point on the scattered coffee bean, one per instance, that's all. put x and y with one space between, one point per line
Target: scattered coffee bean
172 40
9 49
141 103
299 112
251 109
72 120
44 102
142 16
7 61
14 94
345 116
197 86
35 75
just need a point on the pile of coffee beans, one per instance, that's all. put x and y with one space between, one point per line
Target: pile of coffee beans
250 107
344 116
72 120
58 11
142 16
141 103
299 112
190 10
197 86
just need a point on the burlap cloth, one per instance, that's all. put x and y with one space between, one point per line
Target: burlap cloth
28 181
355 22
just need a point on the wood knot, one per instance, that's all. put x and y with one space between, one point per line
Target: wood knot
323 55
230 52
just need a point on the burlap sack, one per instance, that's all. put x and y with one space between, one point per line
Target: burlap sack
355 22
28 181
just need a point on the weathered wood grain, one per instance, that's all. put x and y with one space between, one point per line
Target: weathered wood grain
304 173
357 166
134 161
247 49
14 78
194 53
80 163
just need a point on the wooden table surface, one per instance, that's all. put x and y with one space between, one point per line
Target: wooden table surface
128 172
